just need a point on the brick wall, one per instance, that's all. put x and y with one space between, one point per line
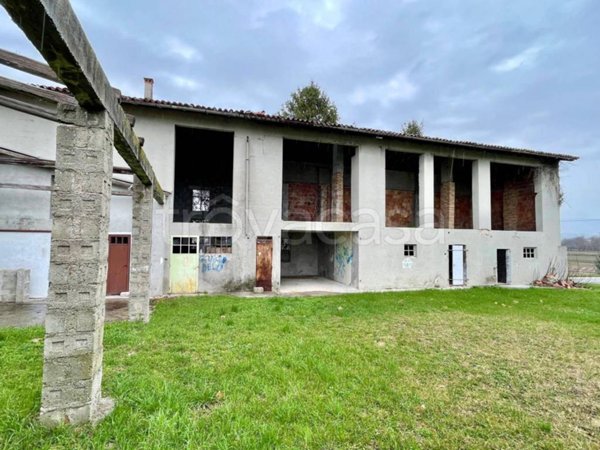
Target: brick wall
303 201
447 204
497 210
463 212
519 205
399 208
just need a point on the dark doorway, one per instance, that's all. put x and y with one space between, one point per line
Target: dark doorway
502 266
117 279
264 263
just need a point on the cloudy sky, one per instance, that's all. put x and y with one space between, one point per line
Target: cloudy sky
522 73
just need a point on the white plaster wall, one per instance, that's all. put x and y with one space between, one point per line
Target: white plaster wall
28 134
25 209
120 214
21 250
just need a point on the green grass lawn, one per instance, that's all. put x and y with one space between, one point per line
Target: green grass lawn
477 368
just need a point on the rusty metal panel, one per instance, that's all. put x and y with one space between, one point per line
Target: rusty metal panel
264 263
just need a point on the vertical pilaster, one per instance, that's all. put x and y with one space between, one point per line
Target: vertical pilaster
482 195
80 201
368 185
141 252
426 191
547 201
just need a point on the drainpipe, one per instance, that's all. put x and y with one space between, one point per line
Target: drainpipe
247 196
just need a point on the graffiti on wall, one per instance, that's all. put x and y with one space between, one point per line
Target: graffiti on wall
343 257
213 263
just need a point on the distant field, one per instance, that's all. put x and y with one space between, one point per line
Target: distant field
583 263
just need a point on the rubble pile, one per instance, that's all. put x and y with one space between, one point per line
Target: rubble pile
554 281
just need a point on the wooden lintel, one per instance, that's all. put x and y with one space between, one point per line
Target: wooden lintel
64 45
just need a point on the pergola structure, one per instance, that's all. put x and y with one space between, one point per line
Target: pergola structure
91 123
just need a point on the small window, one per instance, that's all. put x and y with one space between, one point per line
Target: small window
215 244
185 245
528 252
200 200
410 250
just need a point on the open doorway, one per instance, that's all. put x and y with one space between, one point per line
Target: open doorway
317 261
503 266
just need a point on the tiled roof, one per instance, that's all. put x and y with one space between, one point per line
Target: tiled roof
349 129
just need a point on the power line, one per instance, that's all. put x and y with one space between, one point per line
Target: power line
581 220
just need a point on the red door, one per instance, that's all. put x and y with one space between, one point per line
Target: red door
264 263
118 264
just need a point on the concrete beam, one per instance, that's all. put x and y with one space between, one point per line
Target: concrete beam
64 45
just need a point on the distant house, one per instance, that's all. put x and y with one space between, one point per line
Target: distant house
258 200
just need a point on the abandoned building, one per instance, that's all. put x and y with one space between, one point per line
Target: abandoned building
252 201
257 200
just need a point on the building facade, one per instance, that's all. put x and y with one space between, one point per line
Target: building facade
256 200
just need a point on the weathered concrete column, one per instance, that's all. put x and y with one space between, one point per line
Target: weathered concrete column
547 201
80 201
337 185
482 194
426 191
141 252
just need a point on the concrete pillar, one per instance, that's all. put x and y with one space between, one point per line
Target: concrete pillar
447 204
368 185
337 185
368 211
80 201
547 202
482 194
141 252
426 191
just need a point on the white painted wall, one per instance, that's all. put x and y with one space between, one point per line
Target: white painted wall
31 251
